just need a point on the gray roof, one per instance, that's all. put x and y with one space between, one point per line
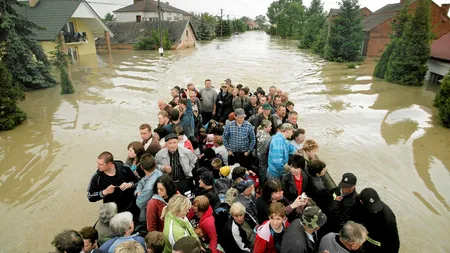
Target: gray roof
382 15
336 12
51 14
131 32
151 6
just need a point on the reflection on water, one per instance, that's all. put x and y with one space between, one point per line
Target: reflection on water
386 134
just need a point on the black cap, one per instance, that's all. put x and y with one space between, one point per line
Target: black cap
371 200
348 180
170 137
207 178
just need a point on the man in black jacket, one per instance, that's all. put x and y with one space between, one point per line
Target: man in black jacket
379 220
342 207
113 182
224 104
266 114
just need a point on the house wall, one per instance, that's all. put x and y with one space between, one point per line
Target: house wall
131 16
187 41
379 36
438 67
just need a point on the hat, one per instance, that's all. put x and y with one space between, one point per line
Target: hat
228 80
207 178
239 112
312 217
225 171
243 185
170 137
371 200
348 180
286 126
267 106
223 85
216 162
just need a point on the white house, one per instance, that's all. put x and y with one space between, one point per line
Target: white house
147 10
439 62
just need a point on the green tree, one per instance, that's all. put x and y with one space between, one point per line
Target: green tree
109 17
261 20
408 62
309 34
224 29
10 114
25 58
346 35
60 60
398 28
290 20
239 26
203 31
318 46
442 101
152 42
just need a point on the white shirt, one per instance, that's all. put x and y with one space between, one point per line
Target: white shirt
296 145
222 151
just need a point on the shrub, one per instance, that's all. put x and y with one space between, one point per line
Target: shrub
351 66
442 101
152 42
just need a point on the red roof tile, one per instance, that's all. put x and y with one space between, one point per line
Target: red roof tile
440 49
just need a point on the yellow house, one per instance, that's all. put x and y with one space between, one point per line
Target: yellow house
74 20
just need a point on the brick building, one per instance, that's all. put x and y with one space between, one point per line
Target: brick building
377 26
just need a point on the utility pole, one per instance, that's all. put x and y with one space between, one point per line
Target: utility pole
161 49
221 14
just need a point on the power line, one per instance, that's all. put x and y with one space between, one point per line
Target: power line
94 2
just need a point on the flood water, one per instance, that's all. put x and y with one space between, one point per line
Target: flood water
387 135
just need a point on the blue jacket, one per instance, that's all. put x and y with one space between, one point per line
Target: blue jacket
279 152
145 186
110 245
187 119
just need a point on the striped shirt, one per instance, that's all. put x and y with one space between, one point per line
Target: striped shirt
239 139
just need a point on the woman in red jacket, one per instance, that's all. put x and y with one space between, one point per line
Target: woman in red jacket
206 228
164 188
269 234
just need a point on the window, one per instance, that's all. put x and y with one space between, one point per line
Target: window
73 54
187 33
138 18
69 28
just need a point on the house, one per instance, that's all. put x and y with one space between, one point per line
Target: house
439 62
147 10
181 33
377 27
73 20
252 25
365 12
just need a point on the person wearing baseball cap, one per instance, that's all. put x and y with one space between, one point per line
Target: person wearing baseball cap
379 220
342 206
224 104
246 197
301 235
266 114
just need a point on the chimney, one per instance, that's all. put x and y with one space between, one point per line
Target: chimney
445 8
33 3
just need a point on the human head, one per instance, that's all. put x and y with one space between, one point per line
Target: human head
245 187
228 81
69 241
187 244
129 247
246 90
272 190
224 88
348 183
135 150
234 92
312 218
277 212
266 125
107 211
277 101
287 130
90 238
216 163
279 92
161 104
201 203
171 142
296 164
353 235
259 109
164 186
317 168
237 211
241 93
206 180
290 106
262 99
178 205
371 200
190 86
105 161
284 97
217 141
207 83
310 147
192 95
146 131
281 111
225 171
266 109
238 172
155 242
253 100
176 101
272 90
299 135
148 163
293 117
122 224
163 117
175 92
240 116
175 114
178 130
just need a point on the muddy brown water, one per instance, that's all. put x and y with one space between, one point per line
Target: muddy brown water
387 135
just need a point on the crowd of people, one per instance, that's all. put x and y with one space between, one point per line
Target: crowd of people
228 171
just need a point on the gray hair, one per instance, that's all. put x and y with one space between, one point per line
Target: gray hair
353 232
107 211
120 223
293 113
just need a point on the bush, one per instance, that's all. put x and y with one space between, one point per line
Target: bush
152 42
442 101
351 66
66 84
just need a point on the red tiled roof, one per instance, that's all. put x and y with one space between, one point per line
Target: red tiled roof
440 49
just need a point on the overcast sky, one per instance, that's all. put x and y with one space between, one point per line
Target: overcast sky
234 8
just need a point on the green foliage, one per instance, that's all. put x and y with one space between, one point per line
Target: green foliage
271 30
309 33
109 17
60 60
203 31
152 42
288 16
318 46
24 56
238 26
261 20
346 35
223 29
351 66
398 28
408 63
442 101
10 114
66 84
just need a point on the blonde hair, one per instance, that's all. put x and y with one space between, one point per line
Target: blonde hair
309 145
129 247
202 203
177 205
237 209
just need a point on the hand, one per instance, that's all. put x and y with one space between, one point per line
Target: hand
230 153
110 189
213 113
338 198
167 169
251 173
299 202
246 153
139 193
125 186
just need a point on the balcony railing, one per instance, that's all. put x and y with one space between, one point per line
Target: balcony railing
75 37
